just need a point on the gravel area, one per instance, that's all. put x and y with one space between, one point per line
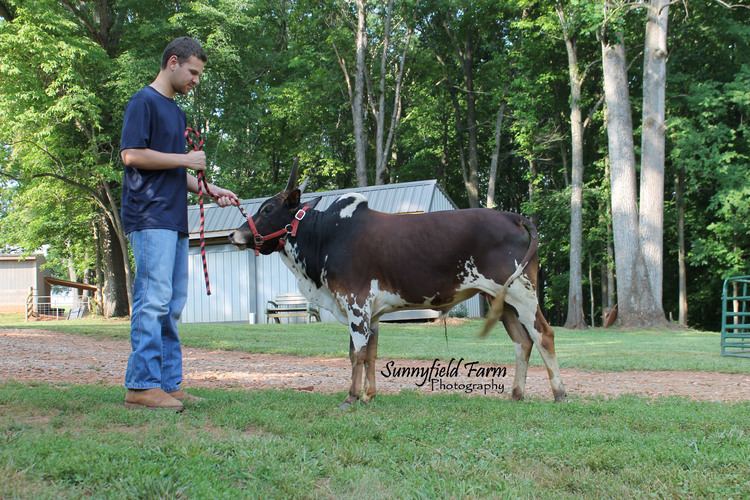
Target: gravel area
38 355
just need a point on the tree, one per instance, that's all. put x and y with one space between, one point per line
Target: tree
651 215
450 32
383 143
370 96
636 304
575 317
492 181
358 114
56 122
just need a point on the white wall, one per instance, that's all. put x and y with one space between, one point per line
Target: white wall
232 277
15 279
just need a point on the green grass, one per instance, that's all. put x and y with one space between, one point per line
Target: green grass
595 349
73 441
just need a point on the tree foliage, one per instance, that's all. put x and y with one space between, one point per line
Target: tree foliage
274 89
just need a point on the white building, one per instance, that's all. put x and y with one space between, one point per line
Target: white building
18 275
242 284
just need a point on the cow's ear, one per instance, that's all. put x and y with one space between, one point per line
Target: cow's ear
292 200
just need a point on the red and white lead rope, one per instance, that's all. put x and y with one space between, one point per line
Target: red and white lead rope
202 183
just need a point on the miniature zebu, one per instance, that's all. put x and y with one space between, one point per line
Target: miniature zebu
360 264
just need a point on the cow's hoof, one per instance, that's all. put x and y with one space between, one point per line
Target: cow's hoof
348 403
561 397
517 394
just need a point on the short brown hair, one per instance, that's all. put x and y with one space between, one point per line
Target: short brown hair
183 47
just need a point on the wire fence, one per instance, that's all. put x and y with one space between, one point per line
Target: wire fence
55 307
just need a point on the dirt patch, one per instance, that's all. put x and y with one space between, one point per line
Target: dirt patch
37 355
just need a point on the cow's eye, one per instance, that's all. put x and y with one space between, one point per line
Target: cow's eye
267 209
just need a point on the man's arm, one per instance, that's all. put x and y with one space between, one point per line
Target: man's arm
149 159
223 197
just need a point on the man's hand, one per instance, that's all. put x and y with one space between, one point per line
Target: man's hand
196 160
224 197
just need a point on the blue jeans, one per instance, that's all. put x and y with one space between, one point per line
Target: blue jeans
159 295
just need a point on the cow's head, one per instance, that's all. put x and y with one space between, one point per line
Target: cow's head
272 219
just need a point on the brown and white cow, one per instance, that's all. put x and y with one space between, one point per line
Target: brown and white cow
360 264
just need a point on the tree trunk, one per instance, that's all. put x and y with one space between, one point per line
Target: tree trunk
73 276
680 202
460 144
114 291
113 214
98 268
358 116
565 166
591 292
636 306
395 116
495 157
380 112
603 270
651 220
532 179
7 11
88 277
471 122
575 317
442 166
610 263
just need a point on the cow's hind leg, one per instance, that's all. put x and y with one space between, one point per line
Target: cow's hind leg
522 297
548 345
523 351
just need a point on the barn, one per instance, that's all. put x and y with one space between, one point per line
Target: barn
17 275
242 284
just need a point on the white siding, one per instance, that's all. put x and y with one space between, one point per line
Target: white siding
232 277
472 306
15 279
272 278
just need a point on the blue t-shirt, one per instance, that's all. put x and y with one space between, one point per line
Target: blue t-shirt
154 199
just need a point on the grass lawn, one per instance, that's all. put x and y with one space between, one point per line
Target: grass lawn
60 441
595 349
73 441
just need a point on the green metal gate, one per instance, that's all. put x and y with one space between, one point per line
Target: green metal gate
735 317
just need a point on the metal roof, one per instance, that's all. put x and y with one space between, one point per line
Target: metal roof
405 197
19 257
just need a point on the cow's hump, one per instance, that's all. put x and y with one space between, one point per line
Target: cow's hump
346 204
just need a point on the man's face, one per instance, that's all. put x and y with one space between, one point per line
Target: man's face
184 77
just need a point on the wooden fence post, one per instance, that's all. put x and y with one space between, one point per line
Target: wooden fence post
30 303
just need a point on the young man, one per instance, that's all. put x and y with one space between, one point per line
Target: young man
154 216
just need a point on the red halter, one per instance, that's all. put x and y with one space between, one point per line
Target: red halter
290 229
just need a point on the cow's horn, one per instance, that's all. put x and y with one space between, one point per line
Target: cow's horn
293 176
304 184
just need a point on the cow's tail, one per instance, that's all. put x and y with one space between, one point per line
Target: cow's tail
498 303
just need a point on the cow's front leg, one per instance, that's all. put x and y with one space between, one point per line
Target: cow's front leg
370 357
359 336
